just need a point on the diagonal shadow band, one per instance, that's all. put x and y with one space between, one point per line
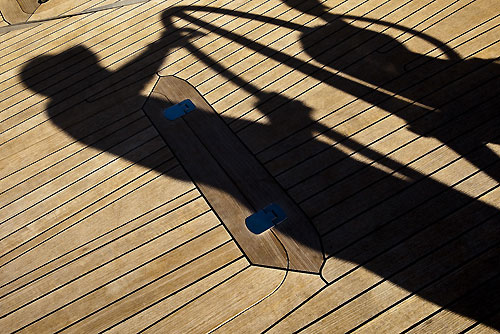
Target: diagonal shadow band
392 210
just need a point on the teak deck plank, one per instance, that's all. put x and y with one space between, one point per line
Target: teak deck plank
171 303
71 262
241 177
387 135
381 297
86 303
59 153
295 289
300 137
447 322
12 13
89 170
80 207
441 320
254 284
186 276
414 308
376 121
121 254
398 238
370 182
478 327
280 66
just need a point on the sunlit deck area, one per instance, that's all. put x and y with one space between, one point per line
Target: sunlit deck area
374 125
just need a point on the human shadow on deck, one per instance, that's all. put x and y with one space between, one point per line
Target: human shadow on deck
371 218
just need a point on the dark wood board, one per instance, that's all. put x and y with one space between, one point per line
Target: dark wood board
235 184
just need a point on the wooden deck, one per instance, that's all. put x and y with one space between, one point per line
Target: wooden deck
378 119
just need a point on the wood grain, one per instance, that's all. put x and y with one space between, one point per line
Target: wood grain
102 227
15 11
240 176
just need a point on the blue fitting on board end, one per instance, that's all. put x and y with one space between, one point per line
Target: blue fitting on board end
266 218
178 110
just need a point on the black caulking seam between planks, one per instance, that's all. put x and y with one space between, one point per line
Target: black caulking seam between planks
77 212
458 299
125 10
284 60
100 95
135 113
101 245
121 276
345 105
280 284
116 158
231 42
25 131
204 45
384 280
40 30
183 288
197 280
329 75
48 42
423 287
419 205
379 156
231 179
361 18
92 37
252 54
494 316
405 169
374 123
136 247
322 132
371 259
166 163
192 300
271 54
415 233
397 193
304 263
80 194
100 182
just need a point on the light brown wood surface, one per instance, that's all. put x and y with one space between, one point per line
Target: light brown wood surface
376 120
28 6
13 12
232 180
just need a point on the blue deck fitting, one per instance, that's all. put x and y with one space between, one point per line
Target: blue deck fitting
266 218
178 110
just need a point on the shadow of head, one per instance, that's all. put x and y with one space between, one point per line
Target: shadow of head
50 74
74 70
313 7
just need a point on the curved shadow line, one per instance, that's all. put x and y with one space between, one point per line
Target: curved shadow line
306 68
261 95
434 41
